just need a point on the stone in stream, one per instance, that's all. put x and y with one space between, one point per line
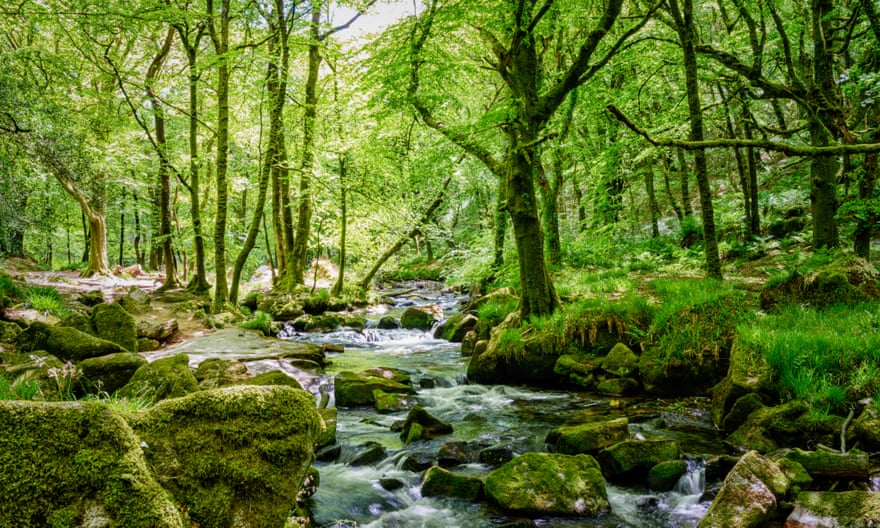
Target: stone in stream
356 389
236 456
621 362
65 343
391 402
370 454
418 317
749 495
790 424
619 387
428 426
439 482
496 455
168 377
665 475
632 459
455 328
843 509
388 323
110 373
824 464
418 461
588 438
537 484
77 464
453 454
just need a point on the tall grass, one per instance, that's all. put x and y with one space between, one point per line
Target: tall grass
828 358
46 299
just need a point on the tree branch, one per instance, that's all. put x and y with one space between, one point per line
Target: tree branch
776 146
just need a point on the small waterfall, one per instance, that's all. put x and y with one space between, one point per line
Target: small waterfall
693 482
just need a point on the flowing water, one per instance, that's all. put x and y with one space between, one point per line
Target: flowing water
387 495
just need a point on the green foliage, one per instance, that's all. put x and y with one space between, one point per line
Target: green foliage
8 288
261 321
828 358
511 344
46 299
492 313
26 390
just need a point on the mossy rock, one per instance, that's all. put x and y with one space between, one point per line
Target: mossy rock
619 387
850 509
741 410
748 373
391 402
428 426
788 425
148 345
388 322
9 332
418 318
673 376
846 281
328 435
797 476
65 343
867 429
38 369
588 438
455 328
67 462
530 359
665 475
168 377
317 323
578 370
632 459
539 484
81 321
110 373
356 389
135 302
273 377
91 298
621 361
439 482
749 495
236 456
214 373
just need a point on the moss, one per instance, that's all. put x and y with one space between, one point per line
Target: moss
357 389
441 482
67 344
164 378
273 377
588 438
665 475
110 373
60 457
233 456
417 317
634 458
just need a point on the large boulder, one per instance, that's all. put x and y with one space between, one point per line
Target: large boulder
420 425
674 376
418 317
827 509
456 327
236 456
848 281
621 362
155 330
77 464
444 483
65 343
537 484
664 476
511 357
356 389
113 323
749 495
788 425
634 458
111 373
578 369
747 374
214 373
588 438
168 377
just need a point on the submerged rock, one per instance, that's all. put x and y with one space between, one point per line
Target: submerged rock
66 463
536 484
749 495
236 456
428 427
439 482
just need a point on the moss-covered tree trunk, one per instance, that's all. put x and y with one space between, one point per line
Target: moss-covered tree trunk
221 47
343 224
499 225
652 196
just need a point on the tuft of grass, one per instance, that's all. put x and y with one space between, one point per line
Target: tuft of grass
828 358
27 390
261 321
8 287
494 311
122 404
46 299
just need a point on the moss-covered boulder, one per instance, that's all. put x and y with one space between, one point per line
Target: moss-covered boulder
428 427
9 332
439 482
514 356
536 484
749 495
273 377
788 425
588 438
76 464
844 509
79 320
236 456
456 327
168 377
845 281
748 373
418 317
665 475
113 323
214 373
111 373
158 331
632 459
853 464
741 410
388 322
668 375
578 370
65 343
356 389
619 387
136 301
392 402
621 362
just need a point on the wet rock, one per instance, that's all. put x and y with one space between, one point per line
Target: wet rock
215 372
453 454
110 373
588 438
749 496
148 345
418 318
369 454
826 509
328 453
578 370
391 484
392 374
164 378
317 323
236 456
390 403
428 426
439 482
236 343
769 428
388 323
157 331
496 455
537 484
665 475
67 461
456 327
741 410
619 387
632 459
670 376
469 343
825 464
356 389
795 473
65 343
621 362
328 435
718 466
418 461
528 359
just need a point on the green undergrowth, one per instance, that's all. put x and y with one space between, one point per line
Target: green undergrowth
829 358
261 321
416 269
495 310
46 299
697 318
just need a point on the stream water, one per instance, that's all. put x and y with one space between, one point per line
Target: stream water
386 494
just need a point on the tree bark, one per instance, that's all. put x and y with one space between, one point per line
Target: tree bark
652 197
499 230
221 47
343 225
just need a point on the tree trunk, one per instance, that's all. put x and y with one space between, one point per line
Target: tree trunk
741 163
122 230
684 179
500 225
672 203
221 46
687 35
652 197
754 215
343 226
138 254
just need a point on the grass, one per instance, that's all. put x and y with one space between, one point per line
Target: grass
261 321
46 299
27 390
828 358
